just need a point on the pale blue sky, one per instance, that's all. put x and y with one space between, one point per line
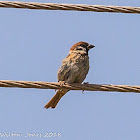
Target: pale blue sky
33 44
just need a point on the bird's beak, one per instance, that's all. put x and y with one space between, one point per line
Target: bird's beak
90 46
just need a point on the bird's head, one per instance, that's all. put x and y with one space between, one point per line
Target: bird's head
81 47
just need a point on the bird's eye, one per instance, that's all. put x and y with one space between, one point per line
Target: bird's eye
79 48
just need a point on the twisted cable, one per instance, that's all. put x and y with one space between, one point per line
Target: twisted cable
76 86
74 7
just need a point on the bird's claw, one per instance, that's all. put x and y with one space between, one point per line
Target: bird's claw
62 83
85 83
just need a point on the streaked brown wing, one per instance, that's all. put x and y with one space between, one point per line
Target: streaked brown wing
63 72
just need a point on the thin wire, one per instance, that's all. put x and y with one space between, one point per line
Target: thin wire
52 85
74 7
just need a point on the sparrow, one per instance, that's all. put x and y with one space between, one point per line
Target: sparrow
74 69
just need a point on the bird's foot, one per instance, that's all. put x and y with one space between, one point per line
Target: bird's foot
85 83
62 83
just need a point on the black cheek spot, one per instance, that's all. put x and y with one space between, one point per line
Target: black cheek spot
87 50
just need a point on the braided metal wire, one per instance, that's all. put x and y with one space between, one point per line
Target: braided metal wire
75 7
51 85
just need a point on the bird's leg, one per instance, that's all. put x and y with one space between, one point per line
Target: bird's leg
61 84
85 83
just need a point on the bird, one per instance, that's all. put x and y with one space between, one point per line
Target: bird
74 69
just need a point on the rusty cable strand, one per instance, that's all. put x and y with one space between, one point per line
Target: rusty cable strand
74 7
75 86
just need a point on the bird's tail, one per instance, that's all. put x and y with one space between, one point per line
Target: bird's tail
53 102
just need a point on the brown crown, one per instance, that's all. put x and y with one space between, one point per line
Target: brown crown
81 43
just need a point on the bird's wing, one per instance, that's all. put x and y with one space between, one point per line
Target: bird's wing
64 72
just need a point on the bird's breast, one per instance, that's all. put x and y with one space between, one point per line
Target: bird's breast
79 66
